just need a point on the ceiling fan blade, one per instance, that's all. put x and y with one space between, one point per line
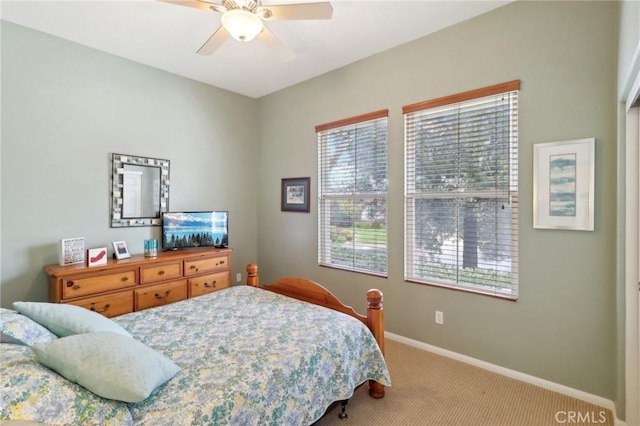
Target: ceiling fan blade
322 10
275 44
197 4
214 41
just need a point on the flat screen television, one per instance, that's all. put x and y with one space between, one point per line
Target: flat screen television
181 230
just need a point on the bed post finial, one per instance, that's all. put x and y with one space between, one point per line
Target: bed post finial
252 275
375 320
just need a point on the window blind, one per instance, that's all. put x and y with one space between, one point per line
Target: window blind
352 204
461 186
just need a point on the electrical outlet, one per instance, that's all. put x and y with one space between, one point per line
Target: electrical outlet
439 318
238 277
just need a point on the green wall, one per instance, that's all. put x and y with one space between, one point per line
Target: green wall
563 327
66 109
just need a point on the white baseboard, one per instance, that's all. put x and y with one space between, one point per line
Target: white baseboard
546 384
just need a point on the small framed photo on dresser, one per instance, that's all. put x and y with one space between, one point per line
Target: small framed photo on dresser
97 256
120 250
71 250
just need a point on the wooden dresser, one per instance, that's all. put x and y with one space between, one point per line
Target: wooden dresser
137 283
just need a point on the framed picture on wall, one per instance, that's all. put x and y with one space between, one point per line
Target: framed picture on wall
295 195
563 185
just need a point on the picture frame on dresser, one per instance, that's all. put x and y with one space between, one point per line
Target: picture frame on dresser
97 256
71 251
120 250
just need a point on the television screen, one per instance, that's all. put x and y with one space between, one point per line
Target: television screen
195 229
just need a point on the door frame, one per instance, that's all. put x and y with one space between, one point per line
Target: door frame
632 255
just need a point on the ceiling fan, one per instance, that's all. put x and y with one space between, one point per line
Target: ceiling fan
243 21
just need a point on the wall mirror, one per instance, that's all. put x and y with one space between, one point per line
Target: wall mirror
139 191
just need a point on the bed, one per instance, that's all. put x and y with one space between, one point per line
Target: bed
245 355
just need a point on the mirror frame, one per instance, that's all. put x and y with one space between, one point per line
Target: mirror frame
117 167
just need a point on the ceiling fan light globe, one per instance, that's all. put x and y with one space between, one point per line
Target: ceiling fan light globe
241 24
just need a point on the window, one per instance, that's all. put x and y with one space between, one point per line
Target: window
352 194
461 191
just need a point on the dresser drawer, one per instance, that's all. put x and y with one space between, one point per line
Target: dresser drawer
166 271
77 287
110 305
192 267
208 283
161 294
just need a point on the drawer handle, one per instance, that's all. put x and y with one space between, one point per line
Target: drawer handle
106 307
212 285
221 262
75 287
166 294
192 267
160 272
125 279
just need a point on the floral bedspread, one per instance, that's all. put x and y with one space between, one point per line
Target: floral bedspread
244 357
246 360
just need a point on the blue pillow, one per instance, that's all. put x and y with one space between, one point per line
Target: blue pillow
22 330
108 364
65 320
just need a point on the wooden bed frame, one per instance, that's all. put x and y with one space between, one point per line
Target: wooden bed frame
312 292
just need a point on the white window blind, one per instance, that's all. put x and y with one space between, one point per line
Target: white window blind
352 194
461 191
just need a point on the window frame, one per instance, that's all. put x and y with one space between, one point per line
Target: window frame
325 198
457 102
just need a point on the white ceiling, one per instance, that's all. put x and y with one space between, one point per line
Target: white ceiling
167 36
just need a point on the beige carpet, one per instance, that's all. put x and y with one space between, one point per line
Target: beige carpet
429 389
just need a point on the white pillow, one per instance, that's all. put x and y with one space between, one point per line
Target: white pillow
65 320
108 364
